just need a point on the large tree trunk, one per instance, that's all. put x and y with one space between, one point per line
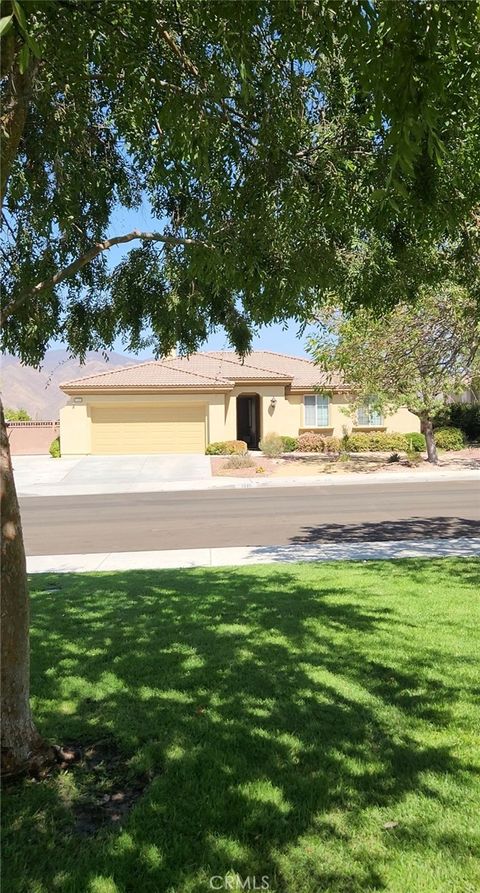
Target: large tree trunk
426 426
20 739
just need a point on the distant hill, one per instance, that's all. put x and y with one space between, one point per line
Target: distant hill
38 391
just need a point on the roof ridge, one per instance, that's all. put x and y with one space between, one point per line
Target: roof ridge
290 356
197 374
108 371
250 365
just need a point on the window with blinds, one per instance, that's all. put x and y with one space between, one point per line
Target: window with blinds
316 411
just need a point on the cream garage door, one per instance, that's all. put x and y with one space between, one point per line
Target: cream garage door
148 429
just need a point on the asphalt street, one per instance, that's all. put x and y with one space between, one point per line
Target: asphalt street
66 525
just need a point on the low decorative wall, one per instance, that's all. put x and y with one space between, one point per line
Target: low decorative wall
31 438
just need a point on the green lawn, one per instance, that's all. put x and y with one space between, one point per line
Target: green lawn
287 713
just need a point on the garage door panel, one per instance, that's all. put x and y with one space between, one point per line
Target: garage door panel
143 429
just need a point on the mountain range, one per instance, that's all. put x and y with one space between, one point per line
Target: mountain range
38 391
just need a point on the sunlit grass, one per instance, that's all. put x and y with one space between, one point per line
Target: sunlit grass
287 714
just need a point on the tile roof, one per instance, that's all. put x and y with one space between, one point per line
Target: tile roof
206 371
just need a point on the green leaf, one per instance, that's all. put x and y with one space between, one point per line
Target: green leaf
5 24
33 45
19 15
23 58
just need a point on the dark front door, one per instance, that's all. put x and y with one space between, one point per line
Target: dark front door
248 420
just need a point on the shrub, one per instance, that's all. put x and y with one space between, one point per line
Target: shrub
309 442
237 461
289 443
449 439
271 445
358 443
414 457
415 442
332 444
465 416
376 441
226 448
55 448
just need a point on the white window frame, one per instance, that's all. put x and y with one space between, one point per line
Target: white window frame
368 417
320 404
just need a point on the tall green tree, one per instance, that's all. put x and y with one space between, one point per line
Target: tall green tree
282 149
414 356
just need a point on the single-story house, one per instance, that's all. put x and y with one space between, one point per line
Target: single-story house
181 404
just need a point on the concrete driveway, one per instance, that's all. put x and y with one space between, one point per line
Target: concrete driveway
87 475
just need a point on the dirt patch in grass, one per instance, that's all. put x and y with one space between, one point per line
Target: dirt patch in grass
106 788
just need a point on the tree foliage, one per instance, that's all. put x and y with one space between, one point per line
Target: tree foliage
282 150
413 356
17 415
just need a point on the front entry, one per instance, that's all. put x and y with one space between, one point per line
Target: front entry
248 420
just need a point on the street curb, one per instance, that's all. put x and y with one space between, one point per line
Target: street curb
249 483
464 547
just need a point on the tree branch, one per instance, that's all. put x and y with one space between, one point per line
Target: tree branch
90 255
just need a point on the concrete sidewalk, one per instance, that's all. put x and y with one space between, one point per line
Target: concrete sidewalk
464 547
97 475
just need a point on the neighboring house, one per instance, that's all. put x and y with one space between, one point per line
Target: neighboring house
180 404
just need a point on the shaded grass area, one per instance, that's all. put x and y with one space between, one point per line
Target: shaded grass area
286 713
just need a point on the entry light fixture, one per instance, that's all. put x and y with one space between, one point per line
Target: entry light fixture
273 401
78 399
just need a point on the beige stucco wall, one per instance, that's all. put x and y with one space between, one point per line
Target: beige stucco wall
286 417
75 429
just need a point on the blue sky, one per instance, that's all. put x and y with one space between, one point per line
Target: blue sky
284 338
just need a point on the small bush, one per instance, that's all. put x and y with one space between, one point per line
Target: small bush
290 444
226 448
259 469
309 442
271 445
236 461
55 448
332 444
449 439
415 442
393 457
414 457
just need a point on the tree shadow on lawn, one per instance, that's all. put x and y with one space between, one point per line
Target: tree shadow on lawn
264 702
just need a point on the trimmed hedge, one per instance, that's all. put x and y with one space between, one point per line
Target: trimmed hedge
375 441
449 438
226 448
55 448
